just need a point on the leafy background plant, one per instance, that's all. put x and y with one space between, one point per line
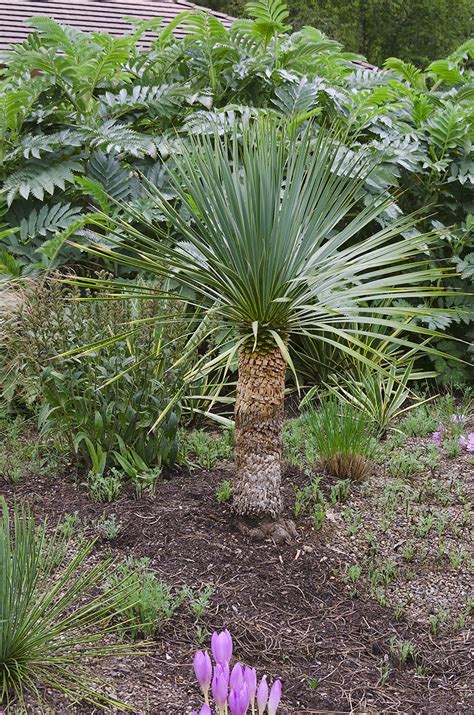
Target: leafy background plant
86 119
98 403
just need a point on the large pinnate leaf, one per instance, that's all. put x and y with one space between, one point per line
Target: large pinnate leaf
107 170
48 219
36 179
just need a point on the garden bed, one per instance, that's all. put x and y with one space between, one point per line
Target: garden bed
322 613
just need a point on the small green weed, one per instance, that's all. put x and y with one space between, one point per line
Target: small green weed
198 601
340 491
224 491
307 497
208 449
105 487
404 651
420 422
318 516
151 602
408 551
452 447
405 464
109 527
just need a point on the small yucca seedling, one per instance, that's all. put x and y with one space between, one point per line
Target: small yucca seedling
342 438
51 623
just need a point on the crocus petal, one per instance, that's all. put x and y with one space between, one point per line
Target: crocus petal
250 678
220 685
205 710
203 669
262 695
244 699
221 645
436 436
237 676
274 699
234 702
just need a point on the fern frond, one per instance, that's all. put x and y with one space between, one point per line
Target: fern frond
48 219
446 71
54 34
414 76
106 170
297 98
113 137
114 53
37 179
447 127
162 101
269 14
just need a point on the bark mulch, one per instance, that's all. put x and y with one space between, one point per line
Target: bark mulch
288 610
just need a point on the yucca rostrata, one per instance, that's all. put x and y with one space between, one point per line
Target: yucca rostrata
268 236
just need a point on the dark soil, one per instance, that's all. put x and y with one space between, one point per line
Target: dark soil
287 608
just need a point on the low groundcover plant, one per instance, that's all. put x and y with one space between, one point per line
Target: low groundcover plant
233 691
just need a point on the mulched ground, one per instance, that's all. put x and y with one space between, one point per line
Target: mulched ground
287 607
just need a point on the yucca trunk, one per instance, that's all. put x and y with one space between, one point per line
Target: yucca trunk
258 434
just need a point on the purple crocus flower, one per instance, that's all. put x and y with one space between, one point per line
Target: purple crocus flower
221 644
220 685
274 699
203 670
239 700
458 418
250 679
237 676
205 710
467 442
436 436
262 695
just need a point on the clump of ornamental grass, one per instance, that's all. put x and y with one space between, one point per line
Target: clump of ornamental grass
342 438
53 622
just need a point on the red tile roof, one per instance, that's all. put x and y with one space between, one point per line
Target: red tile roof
88 15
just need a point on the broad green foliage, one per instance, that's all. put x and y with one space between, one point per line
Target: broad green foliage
100 404
103 118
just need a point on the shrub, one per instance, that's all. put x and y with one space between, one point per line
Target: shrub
105 403
51 622
342 438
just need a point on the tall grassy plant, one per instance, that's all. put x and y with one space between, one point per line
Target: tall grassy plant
51 623
341 436
270 244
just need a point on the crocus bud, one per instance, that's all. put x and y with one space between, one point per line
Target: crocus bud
221 644
274 699
220 685
203 670
239 700
250 679
262 695
237 677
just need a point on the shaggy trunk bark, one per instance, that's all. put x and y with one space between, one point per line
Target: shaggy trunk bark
258 434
